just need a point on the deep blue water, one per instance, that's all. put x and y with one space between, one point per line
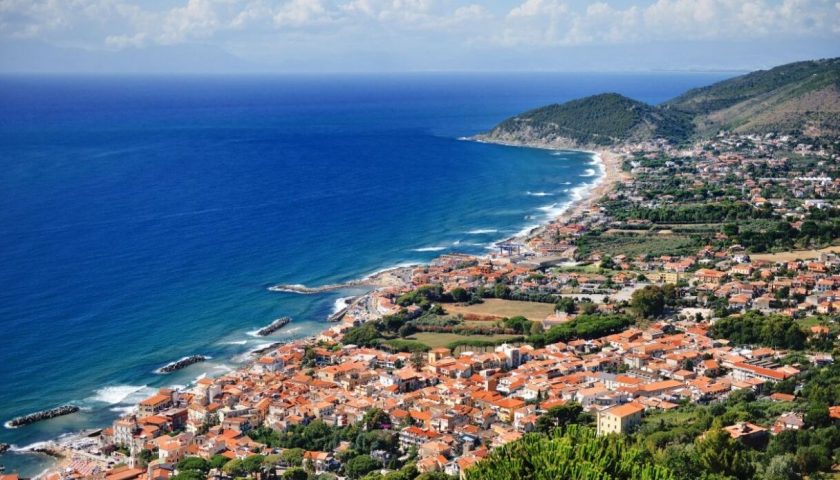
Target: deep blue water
142 218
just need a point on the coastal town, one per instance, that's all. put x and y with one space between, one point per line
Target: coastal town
642 305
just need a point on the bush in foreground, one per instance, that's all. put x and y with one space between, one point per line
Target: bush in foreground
573 453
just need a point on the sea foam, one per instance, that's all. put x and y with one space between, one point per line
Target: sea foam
120 394
429 249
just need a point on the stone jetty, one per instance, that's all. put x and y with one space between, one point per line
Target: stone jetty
274 326
42 415
182 363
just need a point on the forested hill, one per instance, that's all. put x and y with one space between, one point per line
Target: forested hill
597 120
798 98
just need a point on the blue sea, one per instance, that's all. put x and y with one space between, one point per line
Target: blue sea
143 218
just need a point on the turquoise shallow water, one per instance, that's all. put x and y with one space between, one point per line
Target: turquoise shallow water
141 219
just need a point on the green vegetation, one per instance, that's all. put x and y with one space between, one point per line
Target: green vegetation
585 326
684 443
633 245
650 300
753 328
561 416
727 211
571 453
369 434
600 120
785 99
768 235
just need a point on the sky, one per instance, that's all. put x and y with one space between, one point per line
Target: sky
230 36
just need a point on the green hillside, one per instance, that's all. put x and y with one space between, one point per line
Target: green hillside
798 98
600 120
802 97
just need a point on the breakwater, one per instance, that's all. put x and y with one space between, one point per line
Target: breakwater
42 415
274 326
182 363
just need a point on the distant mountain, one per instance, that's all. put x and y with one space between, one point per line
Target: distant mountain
801 97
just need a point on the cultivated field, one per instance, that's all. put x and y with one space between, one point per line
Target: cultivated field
498 308
793 255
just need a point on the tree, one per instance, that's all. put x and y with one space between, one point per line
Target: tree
218 461
189 475
559 416
566 304
433 476
357 466
814 458
407 330
253 463
459 295
292 456
418 360
717 452
375 418
782 467
145 456
730 229
648 301
588 308
194 463
817 415
809 228
363 335
518 324
234 468
295 473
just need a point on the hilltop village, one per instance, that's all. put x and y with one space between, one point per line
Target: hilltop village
691 306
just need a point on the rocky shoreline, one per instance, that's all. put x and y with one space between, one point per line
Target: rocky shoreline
42 415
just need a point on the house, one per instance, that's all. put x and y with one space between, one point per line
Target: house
742 371
788 421
619 419
507 407
705 275
746 432
320 461
154 404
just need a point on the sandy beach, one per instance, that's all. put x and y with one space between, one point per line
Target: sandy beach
611 174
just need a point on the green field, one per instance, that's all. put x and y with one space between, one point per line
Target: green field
633 245
499 308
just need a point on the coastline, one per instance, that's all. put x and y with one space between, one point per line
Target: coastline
608 167
608 161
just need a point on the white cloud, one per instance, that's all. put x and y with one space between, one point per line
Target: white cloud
549 22
194 20
388 24
300 13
